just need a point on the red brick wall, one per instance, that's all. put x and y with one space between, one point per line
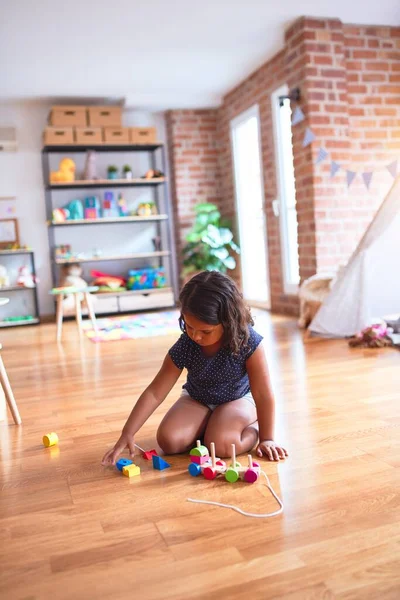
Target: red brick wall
349 80
192 136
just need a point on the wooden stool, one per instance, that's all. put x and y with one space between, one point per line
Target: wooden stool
5 384
66 291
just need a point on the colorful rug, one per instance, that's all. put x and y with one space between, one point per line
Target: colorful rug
130 327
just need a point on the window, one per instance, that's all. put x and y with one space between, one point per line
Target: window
249 193
285 205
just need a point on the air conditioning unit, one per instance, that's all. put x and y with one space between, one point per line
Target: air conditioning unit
8 139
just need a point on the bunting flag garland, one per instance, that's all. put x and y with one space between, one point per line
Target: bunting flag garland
367 176
334 168
392 168
298 116
309 138
322 155
350 175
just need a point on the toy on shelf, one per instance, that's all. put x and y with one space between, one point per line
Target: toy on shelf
4 277
75 208
63 251
112 172
65 173
210 466
122 206
159 463
89 173
110 206
146 279
152 174
25 277
108 283
19 318
127 171
146 209
50 439
92 208
60 215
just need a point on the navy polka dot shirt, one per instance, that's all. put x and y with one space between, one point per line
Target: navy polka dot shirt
214 379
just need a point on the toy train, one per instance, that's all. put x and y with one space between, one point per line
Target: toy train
210 467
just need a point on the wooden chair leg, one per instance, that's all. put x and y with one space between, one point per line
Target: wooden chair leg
78 313
92 314
9 394
60 299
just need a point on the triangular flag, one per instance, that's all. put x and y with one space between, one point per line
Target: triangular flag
309 137
392 168
298 116
367 176
350 177
322 154
334 168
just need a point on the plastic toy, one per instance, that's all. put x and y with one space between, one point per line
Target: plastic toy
65 173
75 208
123 462
153 173
145 279
159 463
60 215
210 466
25 278
50 439
149 454
110 207
4 277
131 470
146 209
92 208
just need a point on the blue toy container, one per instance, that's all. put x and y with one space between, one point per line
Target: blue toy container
146 279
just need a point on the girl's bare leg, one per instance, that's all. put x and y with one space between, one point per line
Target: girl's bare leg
184 423
232 423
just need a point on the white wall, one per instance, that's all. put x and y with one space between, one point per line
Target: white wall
21 176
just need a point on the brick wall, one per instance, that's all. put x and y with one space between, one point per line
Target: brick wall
192 136
349 80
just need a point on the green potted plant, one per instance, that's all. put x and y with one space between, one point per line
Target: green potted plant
112 172
209 244
127 171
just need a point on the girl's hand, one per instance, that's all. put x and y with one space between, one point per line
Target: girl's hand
271 450
125 441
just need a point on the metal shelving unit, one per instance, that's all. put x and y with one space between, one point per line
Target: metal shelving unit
18 290
156 153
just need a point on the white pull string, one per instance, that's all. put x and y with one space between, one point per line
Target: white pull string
242 512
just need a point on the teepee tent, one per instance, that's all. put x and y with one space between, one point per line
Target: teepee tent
368 289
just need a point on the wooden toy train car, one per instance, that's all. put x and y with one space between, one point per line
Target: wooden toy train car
202 463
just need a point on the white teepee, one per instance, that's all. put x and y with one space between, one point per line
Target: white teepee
369 287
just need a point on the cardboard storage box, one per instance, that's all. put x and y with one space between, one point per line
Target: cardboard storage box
58 136
143 135
116 135
105 116
88 135
68 116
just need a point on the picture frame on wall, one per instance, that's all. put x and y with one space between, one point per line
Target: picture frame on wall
8 232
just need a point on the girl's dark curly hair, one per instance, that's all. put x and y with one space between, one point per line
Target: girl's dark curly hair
215 299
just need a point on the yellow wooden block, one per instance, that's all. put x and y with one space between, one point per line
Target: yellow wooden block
131 470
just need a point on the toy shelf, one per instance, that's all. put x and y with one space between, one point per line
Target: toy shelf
14 252
104 147
106 183
16 288
112 220
134 292
21 322
131 241
63 261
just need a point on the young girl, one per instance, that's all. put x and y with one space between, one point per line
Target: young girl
227 398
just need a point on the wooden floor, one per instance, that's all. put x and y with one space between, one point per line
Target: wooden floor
71 529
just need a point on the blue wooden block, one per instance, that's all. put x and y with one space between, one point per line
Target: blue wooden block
123 462
194 469
159 463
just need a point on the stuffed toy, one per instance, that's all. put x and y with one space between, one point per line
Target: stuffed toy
25 278
4 278
65 173
71 276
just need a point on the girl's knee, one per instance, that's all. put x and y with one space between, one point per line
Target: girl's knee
223 442
171 442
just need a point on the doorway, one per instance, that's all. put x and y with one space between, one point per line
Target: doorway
249 193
